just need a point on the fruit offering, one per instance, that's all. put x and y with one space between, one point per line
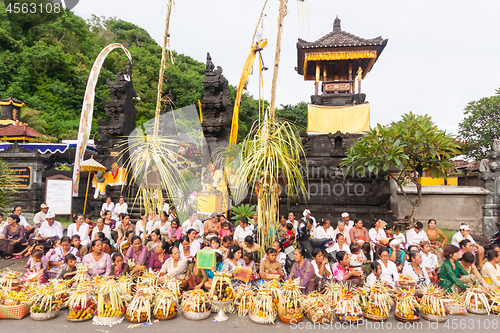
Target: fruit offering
172 284
348 309
262 306
81 303
317 309
406 304
244 296
139 309
406 281
195 301
81 275
164 304
10 280
14 298
379 301
111 298
432 302
475 298
43 299
333 293
289 305
221 289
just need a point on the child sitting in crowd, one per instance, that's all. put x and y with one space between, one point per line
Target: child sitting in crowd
119 266
69 269
289 235
225 230
82 249
37 264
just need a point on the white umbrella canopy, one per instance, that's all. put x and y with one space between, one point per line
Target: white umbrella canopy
90 165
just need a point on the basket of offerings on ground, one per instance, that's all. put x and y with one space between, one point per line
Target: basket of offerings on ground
348 309
333 293
13 305
454 304
495 303
139 309
81 275
476 301
379 303
262 310
221 289
290 310
81 303
317 309
62 291
406 306
165 306
32 279
432 306
10 280
195 305
243 299
111 300
43 303
173 285
406 281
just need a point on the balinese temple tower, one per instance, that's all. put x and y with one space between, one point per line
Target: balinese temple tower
337 63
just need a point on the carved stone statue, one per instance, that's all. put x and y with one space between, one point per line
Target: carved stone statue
496 145
490 174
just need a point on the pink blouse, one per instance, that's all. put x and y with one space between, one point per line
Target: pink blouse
101 267
338 272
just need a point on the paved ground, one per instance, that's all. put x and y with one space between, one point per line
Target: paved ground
236 324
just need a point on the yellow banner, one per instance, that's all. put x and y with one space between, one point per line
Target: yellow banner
243 79
330 119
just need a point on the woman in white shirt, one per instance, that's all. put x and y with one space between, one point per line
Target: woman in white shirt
108 205
322 269
81 229
416 270
389 270
491 269
324 230
121 206
100 226
376 234
162 224
242 230
340 244
190 245
416 235
429 259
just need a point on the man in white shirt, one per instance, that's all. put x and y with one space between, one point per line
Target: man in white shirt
39 217
307 215
50 229
464 233
292 220
347 220
193 223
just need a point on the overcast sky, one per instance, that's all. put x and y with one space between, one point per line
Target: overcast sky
440 55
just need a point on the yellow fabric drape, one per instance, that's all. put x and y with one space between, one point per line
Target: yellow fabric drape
340 55
243 79
13 103
330 119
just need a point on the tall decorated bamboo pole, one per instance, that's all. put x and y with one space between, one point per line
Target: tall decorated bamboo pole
162 67
281 16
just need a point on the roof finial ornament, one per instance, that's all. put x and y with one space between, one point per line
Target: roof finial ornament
336 24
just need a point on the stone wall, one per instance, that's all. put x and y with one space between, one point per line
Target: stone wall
448 205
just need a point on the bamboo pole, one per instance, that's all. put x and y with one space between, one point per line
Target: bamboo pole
277 58
162 67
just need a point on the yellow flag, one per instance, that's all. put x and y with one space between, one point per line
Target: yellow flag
243 79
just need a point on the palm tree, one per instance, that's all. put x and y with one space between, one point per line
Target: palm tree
32 118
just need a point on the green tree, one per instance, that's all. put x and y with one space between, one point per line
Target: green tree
412 145
296 114
481 126
32 118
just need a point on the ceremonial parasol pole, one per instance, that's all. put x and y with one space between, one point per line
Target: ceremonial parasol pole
90 165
